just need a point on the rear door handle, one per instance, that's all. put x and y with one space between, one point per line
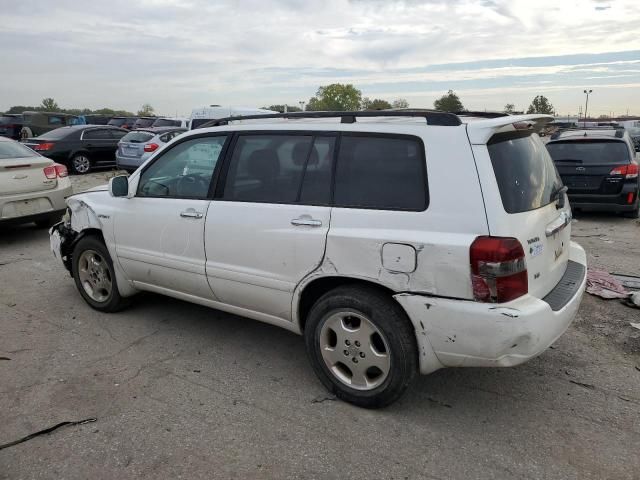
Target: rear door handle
306 220
191 213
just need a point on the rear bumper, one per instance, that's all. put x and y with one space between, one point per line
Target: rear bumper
128 163
459 333
607 203
44 204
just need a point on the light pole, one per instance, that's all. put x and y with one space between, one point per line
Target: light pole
301 102
586 105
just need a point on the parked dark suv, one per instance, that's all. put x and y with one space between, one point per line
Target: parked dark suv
599 167
10 125
37 123
81 147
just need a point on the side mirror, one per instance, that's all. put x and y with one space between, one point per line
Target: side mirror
119 186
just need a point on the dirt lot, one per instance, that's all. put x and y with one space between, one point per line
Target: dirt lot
181 391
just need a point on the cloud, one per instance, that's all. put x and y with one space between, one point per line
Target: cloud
178 54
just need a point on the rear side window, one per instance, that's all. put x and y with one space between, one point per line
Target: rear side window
586 152
97 134
525 173
267 168
137 136
381 172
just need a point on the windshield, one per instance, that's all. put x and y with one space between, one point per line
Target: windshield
137 136
526 176
15 150
587 152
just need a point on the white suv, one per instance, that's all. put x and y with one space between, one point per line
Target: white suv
395 242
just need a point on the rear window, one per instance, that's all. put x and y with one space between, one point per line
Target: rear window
144 122
57 134
137 137
15 150
524 170
588 152
385 173
164 122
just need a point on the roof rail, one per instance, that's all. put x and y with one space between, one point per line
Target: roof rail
432 117
466 113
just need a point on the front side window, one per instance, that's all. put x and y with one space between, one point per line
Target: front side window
526 175
184 171
381 172
117 134
267 168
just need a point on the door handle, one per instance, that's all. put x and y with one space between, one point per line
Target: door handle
190 213
306 220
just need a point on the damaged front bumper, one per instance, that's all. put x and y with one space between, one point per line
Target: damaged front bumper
461 333
61 238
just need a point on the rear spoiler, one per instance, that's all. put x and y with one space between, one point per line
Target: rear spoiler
480 131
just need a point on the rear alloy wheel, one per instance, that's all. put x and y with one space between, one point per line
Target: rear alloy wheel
94 275
361 345
80 164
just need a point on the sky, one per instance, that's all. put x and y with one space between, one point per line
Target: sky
182 54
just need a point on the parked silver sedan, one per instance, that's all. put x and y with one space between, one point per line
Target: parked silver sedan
138 145
33 188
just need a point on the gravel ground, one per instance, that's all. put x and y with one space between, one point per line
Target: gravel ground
181 391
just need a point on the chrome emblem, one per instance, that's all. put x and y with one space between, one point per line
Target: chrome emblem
580 169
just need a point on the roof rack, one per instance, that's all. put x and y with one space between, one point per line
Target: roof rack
432 117
466 113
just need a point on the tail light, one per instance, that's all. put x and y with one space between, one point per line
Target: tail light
55 170
498 269
630 197
43 147
629 171
150 147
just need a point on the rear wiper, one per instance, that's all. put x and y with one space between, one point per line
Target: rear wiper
558 194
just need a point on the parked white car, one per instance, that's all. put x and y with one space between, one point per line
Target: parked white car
33 188
394 245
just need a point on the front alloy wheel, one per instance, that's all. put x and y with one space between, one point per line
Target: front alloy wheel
81 164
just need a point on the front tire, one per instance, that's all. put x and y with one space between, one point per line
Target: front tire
80 163
361 345
94 275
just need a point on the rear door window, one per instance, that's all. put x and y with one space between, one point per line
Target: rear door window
381 172
524 170
97 134
586 152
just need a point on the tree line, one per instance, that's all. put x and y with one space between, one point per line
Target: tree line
50 105
335 97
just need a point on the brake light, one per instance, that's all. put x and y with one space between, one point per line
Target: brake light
630 196
150 147
55 170
498 269
629 171
43 147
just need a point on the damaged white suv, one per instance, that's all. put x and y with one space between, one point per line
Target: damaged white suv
395 242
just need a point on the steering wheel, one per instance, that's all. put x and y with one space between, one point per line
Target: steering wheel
192 185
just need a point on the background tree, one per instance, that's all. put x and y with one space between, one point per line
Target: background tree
49 105
280 108
375 104
337 96
449 103
540 104
400 103
509 108
146 110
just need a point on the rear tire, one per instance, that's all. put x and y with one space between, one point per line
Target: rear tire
361 345
95 276
80 164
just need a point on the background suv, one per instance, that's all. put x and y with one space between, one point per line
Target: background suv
37 123
599 167
11 125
